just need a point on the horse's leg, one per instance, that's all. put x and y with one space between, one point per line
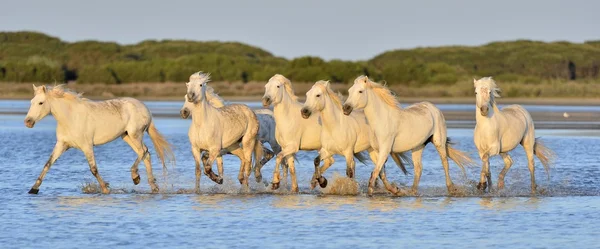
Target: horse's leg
59 148
143 155
528 146
350 164
507 164
485 177
197 153
441 148
417 154
292 168
213 154
89 155
381 159
324 155
289 150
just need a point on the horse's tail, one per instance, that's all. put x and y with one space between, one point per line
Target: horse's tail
360 156
161 145
459 157
401 160
543 153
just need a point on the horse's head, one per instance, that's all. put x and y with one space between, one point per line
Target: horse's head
39 108
274 90
357 95
195 85
186 110
485 91
315 99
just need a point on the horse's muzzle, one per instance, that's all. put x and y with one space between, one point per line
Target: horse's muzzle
29 122
484 110
305 113
266 101
191 97
347 109
185 113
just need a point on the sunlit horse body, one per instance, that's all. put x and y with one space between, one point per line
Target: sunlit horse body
341 134
83 124
293 133
214 129
400 130
266 130
499 131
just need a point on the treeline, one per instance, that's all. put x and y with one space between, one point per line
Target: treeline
36 57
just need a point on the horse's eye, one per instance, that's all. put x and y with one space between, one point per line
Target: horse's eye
277 86
41 103
475 93
318 95
359 91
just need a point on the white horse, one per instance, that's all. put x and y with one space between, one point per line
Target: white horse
499 131
292 132
341 134
401 130
266 130
214 129
83 124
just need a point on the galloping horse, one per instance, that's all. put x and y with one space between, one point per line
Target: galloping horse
214 129
83 124
499 131
341 134
292 132
401 130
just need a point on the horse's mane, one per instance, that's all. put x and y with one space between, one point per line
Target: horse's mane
214 99
287 84
382 91
490 84
200 77
335 97
59 91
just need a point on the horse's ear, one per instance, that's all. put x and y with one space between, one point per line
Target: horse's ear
366 79
327 83
187 84
43 88
34 87
474 81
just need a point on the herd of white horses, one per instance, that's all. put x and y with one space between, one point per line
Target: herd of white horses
370 121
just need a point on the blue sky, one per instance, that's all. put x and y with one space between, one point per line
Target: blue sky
351 30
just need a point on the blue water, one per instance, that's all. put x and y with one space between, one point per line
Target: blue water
566 212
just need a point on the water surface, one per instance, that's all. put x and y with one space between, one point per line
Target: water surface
565 213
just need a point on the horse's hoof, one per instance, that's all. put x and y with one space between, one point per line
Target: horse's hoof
313 184
34 191
275 186
105 191
155 190
264 161
258 179
136 180
323 182
482 186
219 180
500 185
370 191
349 174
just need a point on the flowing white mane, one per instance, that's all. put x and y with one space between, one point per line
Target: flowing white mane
488 83
287 85
199 77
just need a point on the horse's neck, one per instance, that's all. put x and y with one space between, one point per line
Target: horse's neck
287 108
492 119
61 110
377 111
331 116
202 112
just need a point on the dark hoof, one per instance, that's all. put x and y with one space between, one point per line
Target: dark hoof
313 184
219 181
136 180
349 174
258 178
275 186
482 186
322 182
34 191
370 192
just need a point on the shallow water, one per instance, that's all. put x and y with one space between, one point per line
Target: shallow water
565 212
